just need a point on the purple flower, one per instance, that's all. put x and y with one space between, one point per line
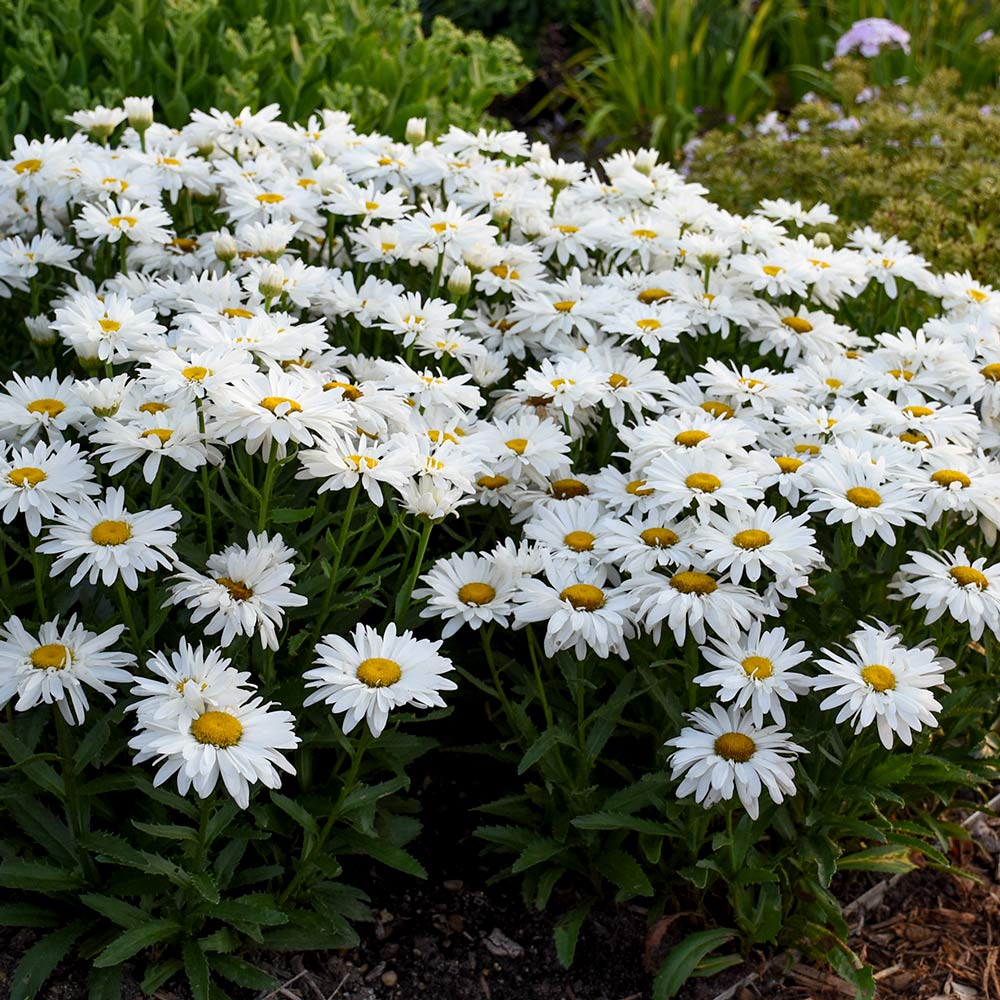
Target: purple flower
870 35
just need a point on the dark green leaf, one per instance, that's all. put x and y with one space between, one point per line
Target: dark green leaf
567 932
105 984
39 961
33 875
626 873
136 940
27 915
683 960
116 910
242 973
196 969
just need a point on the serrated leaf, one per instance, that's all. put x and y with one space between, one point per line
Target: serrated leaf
621 821
157 973
27 915
116 910
540 850
167 831
34 875
291 515
236 970
196 970
252 909
683 960
567 932
292 809
40 960
622 870
105 984
545 743
136 940
882 858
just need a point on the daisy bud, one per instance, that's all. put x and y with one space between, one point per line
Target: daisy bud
416 131
140 112
501 215
822 240
40 330
316 156
272 281
225 247
708 260
460 281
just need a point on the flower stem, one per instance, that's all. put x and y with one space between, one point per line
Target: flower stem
269 473
345 528
126 609
403 598
39 575
74 815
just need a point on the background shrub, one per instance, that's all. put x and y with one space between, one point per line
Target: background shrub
369 57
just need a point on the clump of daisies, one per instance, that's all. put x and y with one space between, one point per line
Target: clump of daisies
372 429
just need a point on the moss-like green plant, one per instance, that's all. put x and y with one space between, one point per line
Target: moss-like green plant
918 162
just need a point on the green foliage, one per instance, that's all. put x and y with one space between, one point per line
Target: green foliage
369 57
657 73
920 165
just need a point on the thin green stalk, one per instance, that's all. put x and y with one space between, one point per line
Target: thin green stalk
206 489
74 813
125 605
40 576
539 681
345 528
269 473
403 598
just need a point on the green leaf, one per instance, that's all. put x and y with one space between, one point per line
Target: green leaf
34 875
255 908
135 940
543 745
91 745
105 984
621 821
567 932
882 858
157 973
540 850
683 960
27 915
312 932
624 871
196 969
40 960
292 809
116 910
167 831
291 515
242 973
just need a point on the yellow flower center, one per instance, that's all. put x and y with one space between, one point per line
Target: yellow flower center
270 198
273 402
27 475
966 576
918 411
348 391
566 489
118 220
976 295
184 245
879 677
861 496
168 161
371 206
650 295
370 463
704 482
564 306
798 324
476 594
648 324
583 596
580 541
945 477
50 407
111 532
659 538
717 409
638 488
913 437
752 383
109 325
567 229
378 672
164 434
645 234
991 372
238 590
153 407
772 270
693 582
51 656
235 312
735 746
31 166
504 272
751 539
807 449
901 373
788 464
689 439
517 445
834 383
617 381
492 482
219 729
758 667
441 227
196 373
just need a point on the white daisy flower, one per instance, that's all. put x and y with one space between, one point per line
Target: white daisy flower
568 530
756 671
701 480
245 591
468 589
32 404
878 679
110 541
369 675
36 482
641 543
238 741
722 754
968 590
54 666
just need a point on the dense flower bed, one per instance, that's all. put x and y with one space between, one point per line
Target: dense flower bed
315 415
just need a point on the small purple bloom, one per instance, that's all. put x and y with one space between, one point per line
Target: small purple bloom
870 35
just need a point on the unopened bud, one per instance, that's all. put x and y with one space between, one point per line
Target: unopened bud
460 281
140 112
40 330
822 240
225 247
272 281
416 131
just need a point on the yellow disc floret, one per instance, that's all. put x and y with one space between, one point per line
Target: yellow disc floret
861 496
692 582
947 477
659 538
51 656
879 677
583 596
217 729
27 475
704 482
735 746
237 588
966 576
273 402
50 407
111 532
378 672
580 541
752 538
476 594
758 667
